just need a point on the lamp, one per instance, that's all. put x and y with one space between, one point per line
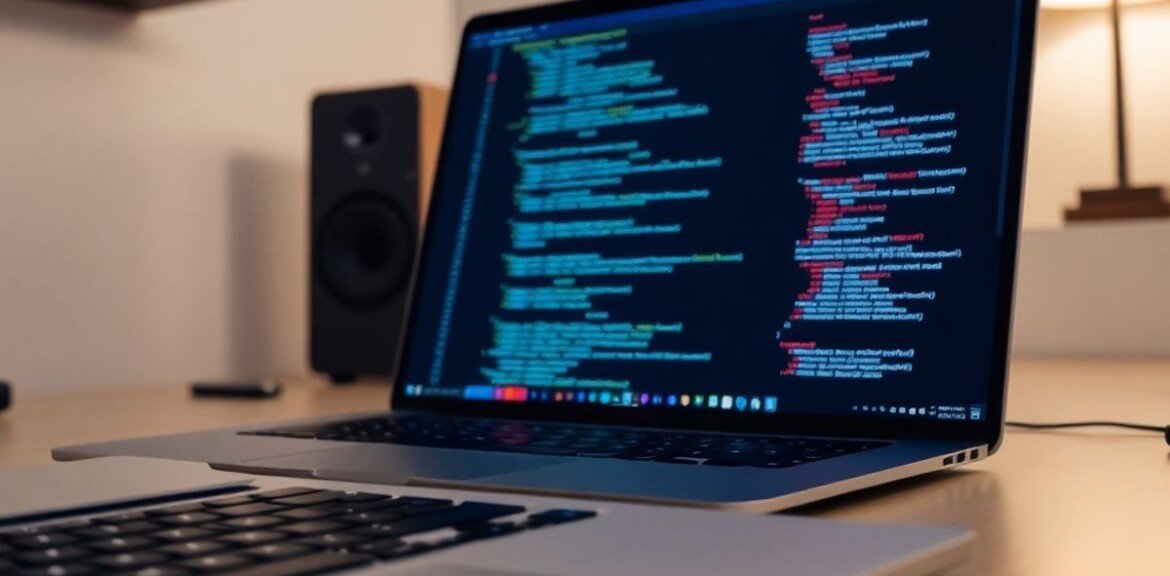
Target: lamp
1126 200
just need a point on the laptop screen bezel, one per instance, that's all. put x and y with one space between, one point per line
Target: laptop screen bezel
988 431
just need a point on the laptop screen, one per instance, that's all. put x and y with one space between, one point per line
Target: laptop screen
744 206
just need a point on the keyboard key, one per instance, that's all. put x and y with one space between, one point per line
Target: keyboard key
313 527
284 493
160 571
249 523
277 551
120 544
218 563
176 509
187 519
58 570
333 541
123 529
309 513
253 509
120 518
50 556
318 563
362 497
182 534
252 538
309 499
194 548
130 560
231 501
46 540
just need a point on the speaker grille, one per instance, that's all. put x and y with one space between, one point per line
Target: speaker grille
365 250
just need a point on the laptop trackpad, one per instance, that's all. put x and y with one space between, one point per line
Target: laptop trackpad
388 464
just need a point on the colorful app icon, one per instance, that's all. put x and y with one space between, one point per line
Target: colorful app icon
756 404
606 397
727 402
712 401
741 403
671 400
771 404
685 399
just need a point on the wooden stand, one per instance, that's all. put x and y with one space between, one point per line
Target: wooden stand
1113 204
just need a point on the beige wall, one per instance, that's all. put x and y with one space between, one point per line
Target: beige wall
152 190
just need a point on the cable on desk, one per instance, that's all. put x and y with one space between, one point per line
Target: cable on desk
1092 424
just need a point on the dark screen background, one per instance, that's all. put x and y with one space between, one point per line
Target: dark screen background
754 73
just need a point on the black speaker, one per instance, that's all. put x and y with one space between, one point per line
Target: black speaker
372 155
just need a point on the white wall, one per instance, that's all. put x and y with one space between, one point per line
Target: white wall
152 189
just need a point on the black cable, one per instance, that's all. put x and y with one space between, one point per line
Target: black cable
1092 424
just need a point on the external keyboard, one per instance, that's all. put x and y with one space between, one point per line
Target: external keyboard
286 532
687 448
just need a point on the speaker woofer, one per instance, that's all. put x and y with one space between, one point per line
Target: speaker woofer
365 250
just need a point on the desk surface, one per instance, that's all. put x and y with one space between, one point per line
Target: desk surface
1090 502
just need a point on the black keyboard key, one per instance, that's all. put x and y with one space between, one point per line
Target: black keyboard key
120 518
284 493
277 551
372 517
319 563
310 513
218 563
195 548
253 509
50 556
160 571
337 541
176 509
127 561
249 523
187 519
309 499
182 534
362 497
57 570
123 529
231 501
122 544
45 540
313 527
253 538
466 513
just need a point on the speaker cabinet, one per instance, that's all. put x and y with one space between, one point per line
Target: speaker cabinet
372 162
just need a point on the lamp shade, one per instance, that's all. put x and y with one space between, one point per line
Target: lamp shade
1088 4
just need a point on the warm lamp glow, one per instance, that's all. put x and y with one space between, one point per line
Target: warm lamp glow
1088 4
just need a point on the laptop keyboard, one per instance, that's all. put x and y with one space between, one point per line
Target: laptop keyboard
686 448
286 532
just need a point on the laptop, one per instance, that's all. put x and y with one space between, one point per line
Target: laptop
742 254
146 517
